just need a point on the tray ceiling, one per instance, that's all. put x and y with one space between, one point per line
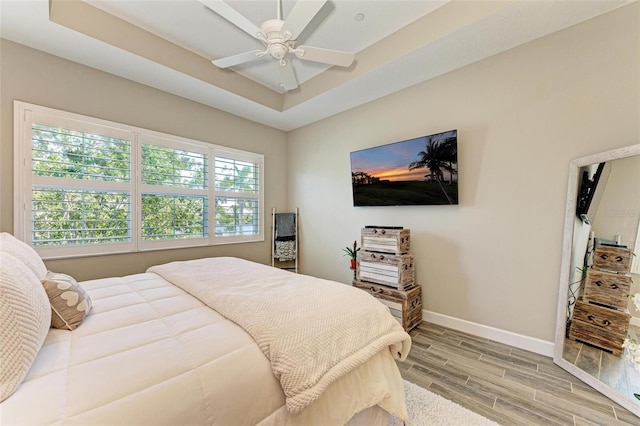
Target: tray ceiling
169 45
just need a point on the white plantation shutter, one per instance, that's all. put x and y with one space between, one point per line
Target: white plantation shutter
238 198
174 195
86 186
80 190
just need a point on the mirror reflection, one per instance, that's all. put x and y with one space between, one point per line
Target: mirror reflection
602 320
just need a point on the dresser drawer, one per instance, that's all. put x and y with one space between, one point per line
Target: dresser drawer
387 269
394 241
614 259
405 306
599 326
607 288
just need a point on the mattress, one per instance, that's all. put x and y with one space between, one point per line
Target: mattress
150 353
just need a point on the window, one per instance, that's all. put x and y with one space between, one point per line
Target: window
237 192
86 186
174 192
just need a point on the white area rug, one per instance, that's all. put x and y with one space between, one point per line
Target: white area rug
427 408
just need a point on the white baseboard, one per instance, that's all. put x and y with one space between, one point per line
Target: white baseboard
532 344
634 321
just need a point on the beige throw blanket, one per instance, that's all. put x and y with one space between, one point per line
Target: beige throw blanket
313 331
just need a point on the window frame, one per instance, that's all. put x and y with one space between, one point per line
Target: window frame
25 115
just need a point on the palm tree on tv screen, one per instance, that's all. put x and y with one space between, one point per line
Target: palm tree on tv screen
440 155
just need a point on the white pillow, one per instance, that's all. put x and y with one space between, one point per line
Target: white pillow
24 252
25 318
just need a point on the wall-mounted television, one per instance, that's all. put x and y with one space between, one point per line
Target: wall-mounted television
419 171
588 184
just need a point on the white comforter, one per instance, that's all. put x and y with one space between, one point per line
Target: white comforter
151 354
313 331
148 353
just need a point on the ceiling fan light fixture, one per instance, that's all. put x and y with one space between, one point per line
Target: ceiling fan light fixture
278 50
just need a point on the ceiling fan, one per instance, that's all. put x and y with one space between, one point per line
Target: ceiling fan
279 39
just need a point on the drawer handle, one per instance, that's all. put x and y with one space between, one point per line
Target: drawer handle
381 257
383 232
375 290
618 258
605 322
604 257
612 285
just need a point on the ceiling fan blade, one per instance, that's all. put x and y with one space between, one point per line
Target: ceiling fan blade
287 76
232 15
238 59
300 16
326 56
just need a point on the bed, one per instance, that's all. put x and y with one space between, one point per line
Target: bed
220 341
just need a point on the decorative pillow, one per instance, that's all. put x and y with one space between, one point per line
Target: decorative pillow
24 252
25 318
70 304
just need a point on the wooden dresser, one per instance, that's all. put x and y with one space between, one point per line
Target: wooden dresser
600 317
386 271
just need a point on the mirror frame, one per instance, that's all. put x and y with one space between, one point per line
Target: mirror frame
563 297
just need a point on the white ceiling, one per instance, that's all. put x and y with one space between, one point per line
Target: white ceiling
397 44
192 26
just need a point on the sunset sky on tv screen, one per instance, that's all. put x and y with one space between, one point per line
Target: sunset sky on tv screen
391 162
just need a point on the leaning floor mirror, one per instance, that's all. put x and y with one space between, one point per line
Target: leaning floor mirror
598 320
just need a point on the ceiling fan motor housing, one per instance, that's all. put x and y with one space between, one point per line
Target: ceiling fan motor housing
277 43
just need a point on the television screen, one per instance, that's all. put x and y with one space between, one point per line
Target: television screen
420 171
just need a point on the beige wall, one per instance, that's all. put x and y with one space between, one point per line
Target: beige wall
32 76
619 209
521 117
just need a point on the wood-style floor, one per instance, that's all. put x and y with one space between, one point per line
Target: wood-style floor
613 370
508 385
